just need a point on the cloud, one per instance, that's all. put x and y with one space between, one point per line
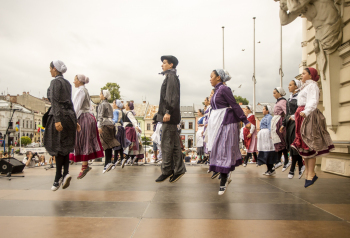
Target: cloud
122 41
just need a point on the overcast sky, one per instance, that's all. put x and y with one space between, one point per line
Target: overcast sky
122 42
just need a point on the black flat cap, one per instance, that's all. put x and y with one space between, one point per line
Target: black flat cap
170 58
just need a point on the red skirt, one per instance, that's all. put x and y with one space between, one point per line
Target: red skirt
298 142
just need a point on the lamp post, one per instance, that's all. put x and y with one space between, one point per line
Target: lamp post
223 47
254 81
96 100
281 69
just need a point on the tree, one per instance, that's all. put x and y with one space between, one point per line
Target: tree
239 99
113 88
25 140
146 140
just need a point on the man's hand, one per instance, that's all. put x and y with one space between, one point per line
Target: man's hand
166 117
58 126
78 127
99 131
281 129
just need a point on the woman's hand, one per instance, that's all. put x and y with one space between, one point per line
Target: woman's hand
303 114
281 129
59 126
78 127
100 131
250 135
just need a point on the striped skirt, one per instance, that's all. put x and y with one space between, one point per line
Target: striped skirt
87 141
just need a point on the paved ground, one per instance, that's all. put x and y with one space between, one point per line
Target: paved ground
128 203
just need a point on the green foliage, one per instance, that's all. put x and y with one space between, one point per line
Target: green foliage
25 140
146 140
239 99
113 88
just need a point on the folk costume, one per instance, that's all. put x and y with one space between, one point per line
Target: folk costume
199 139
120 135
251 142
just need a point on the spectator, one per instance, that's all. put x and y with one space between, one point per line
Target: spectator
6 155
42 160
187 158
30 160
52 161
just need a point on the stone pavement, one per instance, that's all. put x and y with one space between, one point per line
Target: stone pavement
128 203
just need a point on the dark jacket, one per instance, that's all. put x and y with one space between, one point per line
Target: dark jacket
170 98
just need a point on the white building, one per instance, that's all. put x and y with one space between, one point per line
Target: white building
24 116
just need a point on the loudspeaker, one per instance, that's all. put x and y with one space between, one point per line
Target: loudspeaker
11 165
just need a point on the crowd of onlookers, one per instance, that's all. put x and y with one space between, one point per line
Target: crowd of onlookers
32 160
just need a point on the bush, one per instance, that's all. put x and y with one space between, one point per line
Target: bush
17 151
25 140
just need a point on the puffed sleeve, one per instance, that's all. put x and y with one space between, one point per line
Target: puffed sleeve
234 105
133 120
312 99
115 116
78 101
55 91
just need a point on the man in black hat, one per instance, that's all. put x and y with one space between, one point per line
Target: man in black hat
169 113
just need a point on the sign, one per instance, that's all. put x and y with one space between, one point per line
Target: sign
33 150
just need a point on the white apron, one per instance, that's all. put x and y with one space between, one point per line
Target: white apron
199 137
215 121
275 138
265 141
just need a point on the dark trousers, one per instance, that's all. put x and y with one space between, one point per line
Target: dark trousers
269 167
249 155
171 151
285 154
121 152
295 159
62 161
108 156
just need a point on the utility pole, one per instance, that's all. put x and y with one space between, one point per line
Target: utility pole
281 69
254 81
223 47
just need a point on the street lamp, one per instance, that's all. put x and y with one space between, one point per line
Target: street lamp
223 47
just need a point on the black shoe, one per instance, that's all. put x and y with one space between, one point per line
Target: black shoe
314 178
308 183
163 177
215 174
199 161
175 178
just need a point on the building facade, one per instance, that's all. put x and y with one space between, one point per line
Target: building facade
188 126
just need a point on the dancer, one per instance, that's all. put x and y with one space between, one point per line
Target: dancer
311 136
141 151
199 137
250 141
205 122
87 141
267 154
173 165
278 138
106 129
223 129
289 125
131 128
60 124
120 136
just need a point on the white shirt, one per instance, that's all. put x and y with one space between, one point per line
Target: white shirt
309 97
132 118
78 100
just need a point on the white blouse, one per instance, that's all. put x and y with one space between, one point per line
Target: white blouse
309 97
78 100
132 118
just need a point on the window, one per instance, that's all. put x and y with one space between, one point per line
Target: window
182 125
35 126
27 125
31 124
23 123
190 125
148 127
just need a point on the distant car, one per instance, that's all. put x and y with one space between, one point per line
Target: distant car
32 145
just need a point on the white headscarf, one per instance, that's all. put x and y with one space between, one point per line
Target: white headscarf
82 78
297 83
60 66
250 107
119 104
269 108
106 94
281 91
224 75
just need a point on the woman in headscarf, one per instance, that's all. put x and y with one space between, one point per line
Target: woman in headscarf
278 138
131 128
311 136
106 128
249 135
205 122
223 129
267 154
199 137
87 141
60 124
289 125
120 136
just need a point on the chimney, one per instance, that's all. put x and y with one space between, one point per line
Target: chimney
144 102
17 95
240 103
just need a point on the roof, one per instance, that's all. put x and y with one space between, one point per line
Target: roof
151 110
6 104
197 107
140 109
45 100
259 107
